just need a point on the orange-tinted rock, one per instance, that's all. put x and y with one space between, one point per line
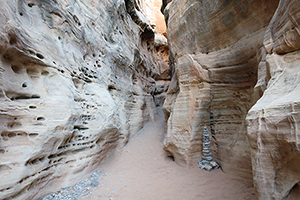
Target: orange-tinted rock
151 9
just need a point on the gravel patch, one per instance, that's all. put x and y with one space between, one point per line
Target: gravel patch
81 189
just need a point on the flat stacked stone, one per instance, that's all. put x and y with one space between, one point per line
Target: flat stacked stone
207 162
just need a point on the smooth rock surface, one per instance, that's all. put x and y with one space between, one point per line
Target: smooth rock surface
152 12
76 79
273 122
214 56
236 69
163 77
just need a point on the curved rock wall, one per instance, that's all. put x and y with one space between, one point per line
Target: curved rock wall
156 19
75 81
236 69
273 122
214 46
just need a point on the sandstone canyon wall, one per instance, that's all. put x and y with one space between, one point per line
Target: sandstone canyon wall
152 12
274 121
76 79
236 69
151 8
214 45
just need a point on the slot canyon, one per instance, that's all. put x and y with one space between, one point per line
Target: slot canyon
109 99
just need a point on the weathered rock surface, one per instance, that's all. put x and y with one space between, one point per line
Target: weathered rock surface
156 19
214 46
164 74
273 122
76 79
236 69
157 22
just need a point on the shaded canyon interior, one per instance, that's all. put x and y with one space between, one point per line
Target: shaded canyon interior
79 77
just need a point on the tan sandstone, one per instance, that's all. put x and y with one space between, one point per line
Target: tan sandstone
152 12
273 122
236 69
214 46
76 79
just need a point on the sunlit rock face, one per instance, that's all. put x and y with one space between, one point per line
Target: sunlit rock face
151 8
273 122
155 17
76 79
214 49
164 74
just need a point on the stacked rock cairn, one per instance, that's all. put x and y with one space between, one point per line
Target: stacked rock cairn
207 162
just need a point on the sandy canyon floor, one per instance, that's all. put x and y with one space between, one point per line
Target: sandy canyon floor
142 171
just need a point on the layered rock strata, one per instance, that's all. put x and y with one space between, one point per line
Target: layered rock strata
161 48
273 122
236 69
76 79
163 78
213 47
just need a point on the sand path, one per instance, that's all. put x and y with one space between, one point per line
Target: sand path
142 171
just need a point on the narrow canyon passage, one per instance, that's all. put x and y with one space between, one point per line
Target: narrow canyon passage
83 83
142 170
